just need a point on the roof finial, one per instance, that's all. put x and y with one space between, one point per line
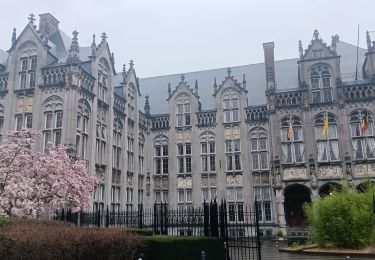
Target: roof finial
335 39
368 40
300 49
147 106
93 46
73 57
244 81
215 85
169 90
31 18
316 34
182 77
229 72
196 87
124 75
131 64
113 58
104 36
14 36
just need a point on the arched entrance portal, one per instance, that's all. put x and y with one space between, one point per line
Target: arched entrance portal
327 188
295 196
362 187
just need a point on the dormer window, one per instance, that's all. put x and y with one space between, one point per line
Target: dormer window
231 107
27 72
183 109
321 88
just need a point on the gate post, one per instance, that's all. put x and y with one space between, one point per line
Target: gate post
140 216
107 218
98 217
257 229
214 219
154 218
205 219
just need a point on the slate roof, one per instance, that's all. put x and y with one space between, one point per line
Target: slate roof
286 78
3 57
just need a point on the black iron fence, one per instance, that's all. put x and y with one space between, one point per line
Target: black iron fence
237 224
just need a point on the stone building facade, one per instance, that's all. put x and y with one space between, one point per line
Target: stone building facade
256 135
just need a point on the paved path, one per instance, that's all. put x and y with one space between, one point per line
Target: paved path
270 252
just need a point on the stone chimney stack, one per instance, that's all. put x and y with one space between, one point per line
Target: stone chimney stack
269 61
48 24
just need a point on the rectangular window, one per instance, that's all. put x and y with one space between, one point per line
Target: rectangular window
33 63
165 166
188 164
212 163
23 64
316 97
267 211
32 78
315 83
23 77
48 120
58 137
58 123
327 95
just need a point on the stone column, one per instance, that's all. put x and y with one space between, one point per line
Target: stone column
280 210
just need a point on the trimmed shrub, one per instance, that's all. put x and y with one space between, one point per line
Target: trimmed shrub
33 239
4 220
344 219
183 248
141 232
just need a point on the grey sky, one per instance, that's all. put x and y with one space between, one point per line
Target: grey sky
174 36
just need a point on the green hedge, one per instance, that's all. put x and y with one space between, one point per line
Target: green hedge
182 248
344 219
141 232
4 221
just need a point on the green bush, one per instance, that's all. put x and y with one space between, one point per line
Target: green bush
4 221
279 233
183 248
344 219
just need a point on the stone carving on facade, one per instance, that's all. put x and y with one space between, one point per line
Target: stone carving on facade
164 183
364 170
204 181
180 136
100 174
187 135
295 173
349 172
157 183
314 182
24 104
330 171
278 178
186 182
236 132
212 180
228 133
236 180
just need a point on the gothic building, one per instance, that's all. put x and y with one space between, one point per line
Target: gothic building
281 132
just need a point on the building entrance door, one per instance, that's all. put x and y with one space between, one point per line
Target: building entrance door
295 196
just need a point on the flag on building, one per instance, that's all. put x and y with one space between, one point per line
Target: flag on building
325 126
290 130
364 123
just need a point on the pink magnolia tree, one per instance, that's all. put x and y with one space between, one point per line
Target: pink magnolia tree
35 183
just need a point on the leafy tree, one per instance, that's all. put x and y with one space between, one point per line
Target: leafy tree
345 219
33 183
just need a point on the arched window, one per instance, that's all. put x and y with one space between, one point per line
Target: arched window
161 166
103 71
83 117
131 101
53 120
292 139
363 140
327 141
321 88
259 149
231 106
183 110
27 66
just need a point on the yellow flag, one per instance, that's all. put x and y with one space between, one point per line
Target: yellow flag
290 129
325 126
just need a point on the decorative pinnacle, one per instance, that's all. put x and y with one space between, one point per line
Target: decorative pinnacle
104 36
182 77
73 57
196 87
14 36
124 73
113 58
131 64
169 90
316 34
93 46
229 72
147 105
244 81
368 40
215 85
31 18
300 48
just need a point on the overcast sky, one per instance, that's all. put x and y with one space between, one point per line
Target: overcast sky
175 36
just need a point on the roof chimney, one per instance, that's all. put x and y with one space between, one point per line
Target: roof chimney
48 24
269 61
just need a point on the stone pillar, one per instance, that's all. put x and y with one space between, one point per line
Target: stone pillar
280 210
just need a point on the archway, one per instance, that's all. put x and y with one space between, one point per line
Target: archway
295 196
327 188
362 187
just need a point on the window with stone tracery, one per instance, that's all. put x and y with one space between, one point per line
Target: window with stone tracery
103 74
327 142
183 110
292 140
363 139
321 85
53 124
231 106
161 166
208 152
82 134
27 71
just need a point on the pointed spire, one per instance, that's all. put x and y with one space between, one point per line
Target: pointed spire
368 40
244 81
124 73
73 57
316 34
215 85
104 37
147 106
14 36
31 18
196 87
93 46
300 49
182 77
169 90
229 72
